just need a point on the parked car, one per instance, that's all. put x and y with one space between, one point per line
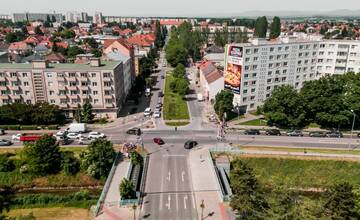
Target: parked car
317 134
61 133
334 134
4 142
147 112
162 77
159 141
295 133
84 141
161 94
73 135
252 132
158 107
190 144
2 131
96 135
64 141
273 132
16 137
157 114
135 131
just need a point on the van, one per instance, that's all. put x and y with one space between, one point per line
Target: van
77 128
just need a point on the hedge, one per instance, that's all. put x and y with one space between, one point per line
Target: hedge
29 127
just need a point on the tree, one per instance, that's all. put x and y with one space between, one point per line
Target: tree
98 158
179 71
14 37
127 189
136 158
43 156
261 26
176 53
38 31
220 38
92 43
241 36
69 163
75 50
6 164
223 103
286 108
340 202
248 199
87 114
275 28
182 86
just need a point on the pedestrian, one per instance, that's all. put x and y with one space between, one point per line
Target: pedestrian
175 128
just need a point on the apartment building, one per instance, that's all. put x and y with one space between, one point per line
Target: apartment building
254 69
66 85
19 17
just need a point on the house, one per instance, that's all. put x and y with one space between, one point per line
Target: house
19 48
215 54
142 43
55 58
41 49
211 79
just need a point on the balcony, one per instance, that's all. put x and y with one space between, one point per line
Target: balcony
63 105
84 87
107 79
74 105
3 88
74 96
14 87
62 96
2 79
75 88
108 96
13 97
109 105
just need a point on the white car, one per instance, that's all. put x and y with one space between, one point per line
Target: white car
157 114
73 136
96 135
61 133
16 137
147 112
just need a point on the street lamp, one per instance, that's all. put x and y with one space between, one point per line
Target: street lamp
352 127
202 206
134 207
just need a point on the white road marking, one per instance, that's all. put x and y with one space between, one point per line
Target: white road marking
175 155
169 176
168 203
185 200
193 201
182 176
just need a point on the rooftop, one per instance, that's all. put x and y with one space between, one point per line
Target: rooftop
105 65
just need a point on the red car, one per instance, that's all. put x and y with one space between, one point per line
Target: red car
159 141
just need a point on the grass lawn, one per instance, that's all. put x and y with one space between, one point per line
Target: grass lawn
57 213
178 124
256 122
175 107
296 173
309 150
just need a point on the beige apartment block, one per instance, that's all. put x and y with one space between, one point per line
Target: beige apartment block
66 85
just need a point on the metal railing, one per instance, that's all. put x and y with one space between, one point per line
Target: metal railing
225 150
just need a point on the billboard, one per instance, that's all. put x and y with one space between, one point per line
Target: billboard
233 68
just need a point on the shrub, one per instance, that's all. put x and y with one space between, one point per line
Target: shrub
13 127
28 127
6 164
53 127
136 158
127 189
69 163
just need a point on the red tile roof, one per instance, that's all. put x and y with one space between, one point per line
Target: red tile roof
19 46
171 22
108 42
144 40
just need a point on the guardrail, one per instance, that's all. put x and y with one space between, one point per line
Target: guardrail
107 184
128 202
225 150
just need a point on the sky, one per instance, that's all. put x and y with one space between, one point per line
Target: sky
171 7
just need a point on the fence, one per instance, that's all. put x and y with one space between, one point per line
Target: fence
107 184
231 150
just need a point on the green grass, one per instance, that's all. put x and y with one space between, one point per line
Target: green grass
255 122
295 173
177 124
175 107
54 213
309 150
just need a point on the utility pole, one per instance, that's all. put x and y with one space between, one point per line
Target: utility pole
202 206
352 127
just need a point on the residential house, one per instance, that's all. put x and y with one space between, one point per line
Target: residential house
211 79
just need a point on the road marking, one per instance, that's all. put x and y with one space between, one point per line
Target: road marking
175 155
193 201
169 176
185 200
182 176
168 203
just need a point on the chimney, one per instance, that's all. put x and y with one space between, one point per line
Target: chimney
95 62
40 64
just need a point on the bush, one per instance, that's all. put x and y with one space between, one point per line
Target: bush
53 127
28 127
69 163
6 164
136 158
127 189
13 127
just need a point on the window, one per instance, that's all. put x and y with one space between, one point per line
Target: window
279 48
268 88
253 83
49 75
13 74
94 83
247 59
254 75
51 92
72 74
271 49
107 75
96 101
287 48
24 74
248 51
256 50
244 99
26 83
107 84
93 74
245 91
83 74
50 83
256 58
246 75
52 101
253 90
95 92
28 101
269 73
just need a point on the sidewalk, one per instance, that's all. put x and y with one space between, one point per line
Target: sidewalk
205 185
111 209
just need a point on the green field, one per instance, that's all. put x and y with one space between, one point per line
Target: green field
296 173
255 122
56 213
308 150
175 107
178 124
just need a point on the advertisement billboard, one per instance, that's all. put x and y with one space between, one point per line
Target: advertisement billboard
233 68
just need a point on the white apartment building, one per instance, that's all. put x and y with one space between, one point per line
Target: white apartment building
75 16
67 85
254 69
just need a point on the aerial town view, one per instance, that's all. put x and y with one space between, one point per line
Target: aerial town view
179 110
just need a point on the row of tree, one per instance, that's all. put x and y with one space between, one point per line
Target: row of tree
184 43
251 200
331 102
179 83
31 114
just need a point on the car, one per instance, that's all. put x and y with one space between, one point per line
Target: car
134 131
157 114
84 141
158 106
147 112
162 77
4 142
252 132
73 135
161 94
96 135
2 131
16 137
62 133
190 144
64 141
295 133
273 132
159 141
358 135
317 134
334 134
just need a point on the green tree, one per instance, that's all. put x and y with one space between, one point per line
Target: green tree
176 53
220 38
223 103
248 199
261 26
241 36
69 163
43 156
98 158
286 108
179 71
340 202
275 28
6 164
38 31
14 37
127 189
87 113
75 50
136 158
92 43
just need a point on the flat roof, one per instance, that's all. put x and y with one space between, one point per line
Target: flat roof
105 65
